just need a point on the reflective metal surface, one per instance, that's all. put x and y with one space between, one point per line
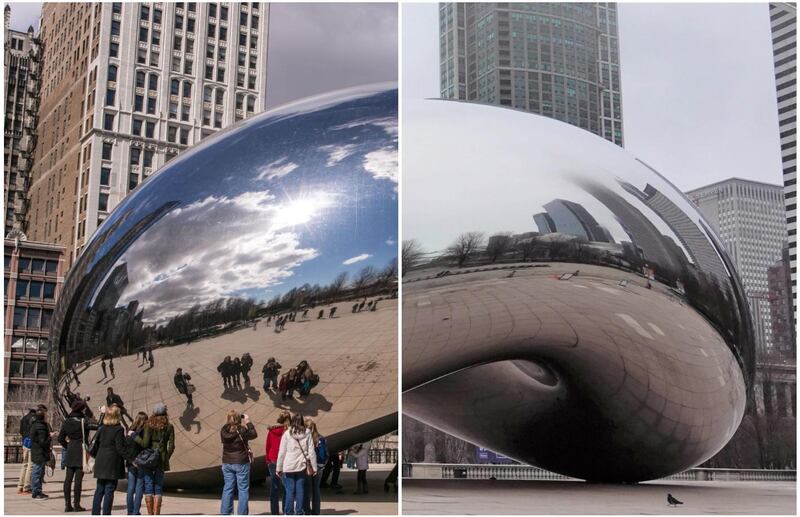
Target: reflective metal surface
567 305
259 221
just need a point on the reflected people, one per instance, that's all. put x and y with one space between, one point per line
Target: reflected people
222 260
566 303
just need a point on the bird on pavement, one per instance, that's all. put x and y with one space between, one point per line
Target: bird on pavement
672 501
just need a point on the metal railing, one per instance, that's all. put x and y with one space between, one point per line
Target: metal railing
527 472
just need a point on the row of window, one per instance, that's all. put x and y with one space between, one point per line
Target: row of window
28 368
36 290
34 266
29 344
32 318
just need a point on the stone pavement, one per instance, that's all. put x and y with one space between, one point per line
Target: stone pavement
480 497
377 502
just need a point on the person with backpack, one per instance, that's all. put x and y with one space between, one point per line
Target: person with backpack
361 453
110 451
135 474
74 437
236 461
41 451
312 501
24 483
273 447
159 435
270 371
297 460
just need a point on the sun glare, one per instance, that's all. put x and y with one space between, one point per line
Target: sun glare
301 210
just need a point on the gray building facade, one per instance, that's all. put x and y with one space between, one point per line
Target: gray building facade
560 60
749 218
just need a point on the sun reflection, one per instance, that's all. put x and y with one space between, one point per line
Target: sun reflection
301 210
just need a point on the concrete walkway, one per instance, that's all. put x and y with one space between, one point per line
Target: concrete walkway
377 502
481 497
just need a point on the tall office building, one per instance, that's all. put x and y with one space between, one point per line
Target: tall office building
748 216
560 60
125 88
783 19
21 76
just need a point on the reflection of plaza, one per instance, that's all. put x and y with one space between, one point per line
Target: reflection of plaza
355 356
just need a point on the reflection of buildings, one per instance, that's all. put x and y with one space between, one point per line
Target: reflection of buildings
560 60
655 248
695 241
143 82
33 277
21 75
780 307
748 218
570 218
783 19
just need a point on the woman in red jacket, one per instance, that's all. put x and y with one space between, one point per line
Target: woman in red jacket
273 445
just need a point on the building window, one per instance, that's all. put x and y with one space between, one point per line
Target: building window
179 21
219 97
155 38
111 96
190 25
150 129
210 51
105 176
113 49
156 15
240 79
133 180
223 13
154 58
172 133
223 33
148 158
251 82
173 110
136 127
217 119
138 101
151 105
209 72
251 104
187 89
153 82
212 10
185 113
141 56
108 122
143 34
145 13
243 19
242 40
253 41
239 101
49 291
107 148
254 22
184 136
177 43
187 67
207 117
112 73
114 28
174 86
102 202
221 75
212 30
136 153
116 7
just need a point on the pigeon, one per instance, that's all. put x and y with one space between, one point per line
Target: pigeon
672 501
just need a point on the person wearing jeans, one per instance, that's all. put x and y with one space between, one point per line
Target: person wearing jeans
110 450
41 449
158 434
296 460
24 484
236 460
273 446
135 491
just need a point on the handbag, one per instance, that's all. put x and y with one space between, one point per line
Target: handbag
148 459
249 452
309 467
88 461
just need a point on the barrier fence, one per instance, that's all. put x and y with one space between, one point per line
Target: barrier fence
527 472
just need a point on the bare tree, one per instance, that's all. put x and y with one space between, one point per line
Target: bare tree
338 284
527 248
411 254
364 278
465 245
389 273
498 245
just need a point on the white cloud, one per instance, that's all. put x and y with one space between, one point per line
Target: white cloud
382 164
357 258
390 242
277 169
388 124
337 153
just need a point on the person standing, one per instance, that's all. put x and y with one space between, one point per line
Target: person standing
181 381
334 467
110 451
158 434
112 399
236 460
111 367
103 366
236 371
312 501
74 435
150 358
270 372
24 484
41 450
273 447
135 491
296 461
224 370
361 453
247 364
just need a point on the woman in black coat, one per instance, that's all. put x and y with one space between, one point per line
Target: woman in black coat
110 451
41 449
74 433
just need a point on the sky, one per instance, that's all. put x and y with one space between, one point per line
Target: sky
313 48
698 87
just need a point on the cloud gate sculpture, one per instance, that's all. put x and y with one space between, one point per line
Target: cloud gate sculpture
568 305
291 214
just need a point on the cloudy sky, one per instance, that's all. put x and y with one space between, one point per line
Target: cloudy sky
698 88
313 48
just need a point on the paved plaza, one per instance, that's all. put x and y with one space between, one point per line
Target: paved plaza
377 502
355 356
481 497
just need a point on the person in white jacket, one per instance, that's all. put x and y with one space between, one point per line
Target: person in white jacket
297 459
361 453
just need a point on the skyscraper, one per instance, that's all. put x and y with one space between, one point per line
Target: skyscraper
783 19
125 88
748 218
560 60
21 77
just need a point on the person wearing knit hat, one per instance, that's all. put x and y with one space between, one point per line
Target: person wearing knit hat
73 435
158 434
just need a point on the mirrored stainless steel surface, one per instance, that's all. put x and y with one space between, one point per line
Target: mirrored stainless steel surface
291 213
564 301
